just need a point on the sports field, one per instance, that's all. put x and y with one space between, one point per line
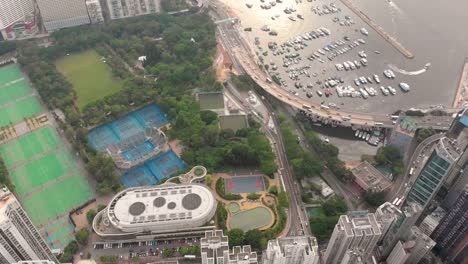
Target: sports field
18 111
57 199
41 171
91 78
29 146
9 73
14 91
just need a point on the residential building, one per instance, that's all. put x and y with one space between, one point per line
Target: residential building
431 221
215 250
19 239
241 255
357 231
400 228
451 235
94 11
298 250
434 171
214 247
17 19
412 249
129 8
386 214
58 14
368 178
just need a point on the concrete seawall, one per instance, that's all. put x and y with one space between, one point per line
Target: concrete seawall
390 39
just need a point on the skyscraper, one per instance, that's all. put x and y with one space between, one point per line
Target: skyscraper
19 239
412 250
57 14
432 176
298 250
16 18
451 235
357 231
400 228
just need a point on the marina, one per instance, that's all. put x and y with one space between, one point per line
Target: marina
311 71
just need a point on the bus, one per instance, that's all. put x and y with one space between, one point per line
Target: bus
411 171
399 202
190 257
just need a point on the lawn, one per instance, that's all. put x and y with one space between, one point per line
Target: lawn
91 78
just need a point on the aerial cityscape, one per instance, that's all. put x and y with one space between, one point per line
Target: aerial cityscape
233 132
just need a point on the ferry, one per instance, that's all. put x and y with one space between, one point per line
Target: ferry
357 133
404 87
391 90
368 137
249 5
292 18
300 16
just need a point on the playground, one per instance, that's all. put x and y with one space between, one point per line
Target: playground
47 179
251 219
123 130
90 76
153 171
244 184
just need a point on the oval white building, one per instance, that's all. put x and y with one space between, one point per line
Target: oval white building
156 209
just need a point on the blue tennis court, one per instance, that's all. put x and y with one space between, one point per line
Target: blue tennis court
124 129
153 171
138 151
247 184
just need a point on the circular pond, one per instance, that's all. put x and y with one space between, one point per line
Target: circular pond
234 208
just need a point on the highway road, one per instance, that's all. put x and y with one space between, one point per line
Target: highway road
404 182
297 223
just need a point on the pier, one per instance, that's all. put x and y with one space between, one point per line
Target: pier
461 96
397 45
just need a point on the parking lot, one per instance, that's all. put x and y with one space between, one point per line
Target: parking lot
142 249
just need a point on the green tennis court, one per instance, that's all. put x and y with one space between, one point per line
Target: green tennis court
9 73
57 199
14 91
29 146
40 171
20 110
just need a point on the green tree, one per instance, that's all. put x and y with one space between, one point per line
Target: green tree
273 190
374 199
255 238
183 250
322 227
334 206
424 133
283 199
72 247
166 253
236 237
66 257
82 236
253 196
90 216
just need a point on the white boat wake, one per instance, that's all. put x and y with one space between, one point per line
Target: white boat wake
412 73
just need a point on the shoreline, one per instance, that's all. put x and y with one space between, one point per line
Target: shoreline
461 95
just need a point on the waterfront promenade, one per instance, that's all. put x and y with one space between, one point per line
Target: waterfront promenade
461 96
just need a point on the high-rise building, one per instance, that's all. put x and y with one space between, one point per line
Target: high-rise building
451 235
19 239
215 250
357 231
386 214
17 19
35 262
94 11
299 250
415 247
241 255
431 221
400 228
129 8
214 246
57 14
434 172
